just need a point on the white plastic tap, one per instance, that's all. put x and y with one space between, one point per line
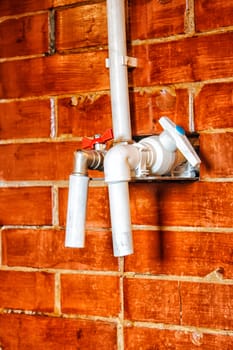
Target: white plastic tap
174 137
162 149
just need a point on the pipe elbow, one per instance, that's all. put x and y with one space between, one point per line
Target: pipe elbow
119 162
87 159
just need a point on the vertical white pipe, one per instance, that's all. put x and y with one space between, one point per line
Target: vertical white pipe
118 163
76 211
118 70
120 218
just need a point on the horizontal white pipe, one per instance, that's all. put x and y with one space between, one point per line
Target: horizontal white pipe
120 218
76 211
118 70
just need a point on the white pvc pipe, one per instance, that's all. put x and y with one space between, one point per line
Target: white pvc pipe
117 161
118 164
76 211
118 70
120 218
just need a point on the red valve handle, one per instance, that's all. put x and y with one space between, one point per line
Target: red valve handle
90 143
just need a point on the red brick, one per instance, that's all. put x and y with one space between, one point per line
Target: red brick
171 62
25 119
37 332
25 36
15 7
212 16
90 295
27 290
181 253
182 204
163 339
82 26
25 206
215 150
89 115
147 107
37 161
20 248
97 207
160 18
213 107
84 115
67 2
207 305
56 74
151 300
174 204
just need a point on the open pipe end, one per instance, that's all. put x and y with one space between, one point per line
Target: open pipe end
120 218
76 211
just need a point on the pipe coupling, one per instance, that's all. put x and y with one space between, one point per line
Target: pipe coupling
88 159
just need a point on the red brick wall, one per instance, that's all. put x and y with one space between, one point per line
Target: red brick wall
176 291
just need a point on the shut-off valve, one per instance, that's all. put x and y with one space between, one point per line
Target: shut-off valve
151 158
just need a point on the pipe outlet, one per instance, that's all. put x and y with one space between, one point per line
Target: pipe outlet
118 164
120 218
77 195
76 211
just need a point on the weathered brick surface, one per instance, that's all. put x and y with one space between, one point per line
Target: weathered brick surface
213 107
159 19
20 248
84 115
151 300
17 203
88 115
182 204
90 295
25 119
148 106
171 62
37 161
181 253
15 7
37 332
212 17
207 305
27 290
190 204
216 154
27 36
196 304
88 26
67 2
56 74
162 339
82 26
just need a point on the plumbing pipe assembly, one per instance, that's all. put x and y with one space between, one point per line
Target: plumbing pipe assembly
153 156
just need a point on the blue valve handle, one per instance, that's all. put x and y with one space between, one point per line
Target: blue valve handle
180 130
